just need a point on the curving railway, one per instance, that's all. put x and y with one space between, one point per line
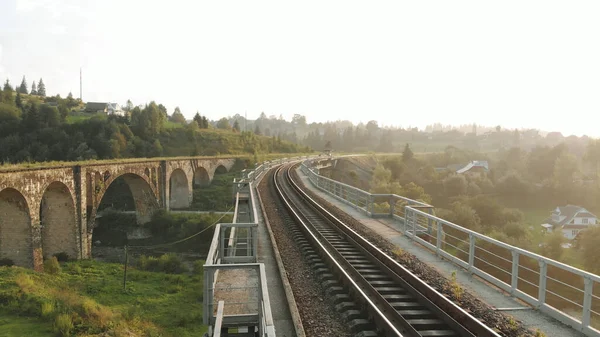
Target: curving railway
376 295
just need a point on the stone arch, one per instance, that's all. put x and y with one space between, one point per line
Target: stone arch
15 228
220 169
201 177
144 194
179 191
58 221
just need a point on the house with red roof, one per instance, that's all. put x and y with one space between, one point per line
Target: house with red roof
571 220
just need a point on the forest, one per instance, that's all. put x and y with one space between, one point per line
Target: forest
39 128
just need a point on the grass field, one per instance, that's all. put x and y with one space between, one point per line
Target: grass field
89 294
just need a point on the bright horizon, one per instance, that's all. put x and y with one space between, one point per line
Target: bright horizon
533 64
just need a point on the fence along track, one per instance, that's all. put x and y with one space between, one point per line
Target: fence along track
397 302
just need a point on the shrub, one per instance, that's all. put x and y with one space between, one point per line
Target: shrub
199 267
51 266
63 324
5 262
47 309
171 263
168 263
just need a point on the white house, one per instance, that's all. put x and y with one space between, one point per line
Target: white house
570 220
107 108
114 109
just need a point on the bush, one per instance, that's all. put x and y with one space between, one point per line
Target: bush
167 263
47 309
51 266
5 262
171 263
199 267
63 324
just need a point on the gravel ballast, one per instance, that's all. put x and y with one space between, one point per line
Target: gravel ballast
504 324
319 317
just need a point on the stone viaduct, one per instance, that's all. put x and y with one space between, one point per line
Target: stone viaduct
44 211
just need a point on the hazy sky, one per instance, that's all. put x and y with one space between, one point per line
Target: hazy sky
407 63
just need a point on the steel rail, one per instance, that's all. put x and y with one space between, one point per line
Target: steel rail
431 299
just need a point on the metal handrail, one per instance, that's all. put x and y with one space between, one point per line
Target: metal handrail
413 224
216 259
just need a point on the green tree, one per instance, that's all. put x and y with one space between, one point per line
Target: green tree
462 215
7 93
592 155
23 87
198 119
553 245
590 249
19 101
257 130
34 89
163 109
70 101
407 154
299 120
177 117
205 122
41 88
236 126
566 169
223 123
455 185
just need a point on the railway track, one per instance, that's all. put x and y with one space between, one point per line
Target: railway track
376 295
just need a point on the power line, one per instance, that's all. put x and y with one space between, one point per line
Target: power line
187 238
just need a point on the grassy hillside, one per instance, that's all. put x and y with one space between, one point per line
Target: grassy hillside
87 299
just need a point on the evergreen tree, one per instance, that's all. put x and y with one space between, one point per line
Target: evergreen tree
236 126
23 87
19 101
198 119
407 154
204 122
257 130
7 93
33 88
41 88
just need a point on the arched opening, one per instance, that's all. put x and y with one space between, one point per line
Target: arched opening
201 177
221 169
15 228
179 192
128 202
59 224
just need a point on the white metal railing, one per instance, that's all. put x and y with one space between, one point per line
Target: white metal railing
561 291
226 254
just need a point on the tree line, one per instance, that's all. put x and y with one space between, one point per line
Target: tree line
36 128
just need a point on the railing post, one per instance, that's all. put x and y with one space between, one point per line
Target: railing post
414 223
542 283
514 281
392 205
222 242
440 237
587 302
429 222
471 251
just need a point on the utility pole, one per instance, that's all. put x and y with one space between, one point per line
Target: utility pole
80 85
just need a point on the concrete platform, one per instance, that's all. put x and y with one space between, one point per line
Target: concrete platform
238 288
282 318
489 294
